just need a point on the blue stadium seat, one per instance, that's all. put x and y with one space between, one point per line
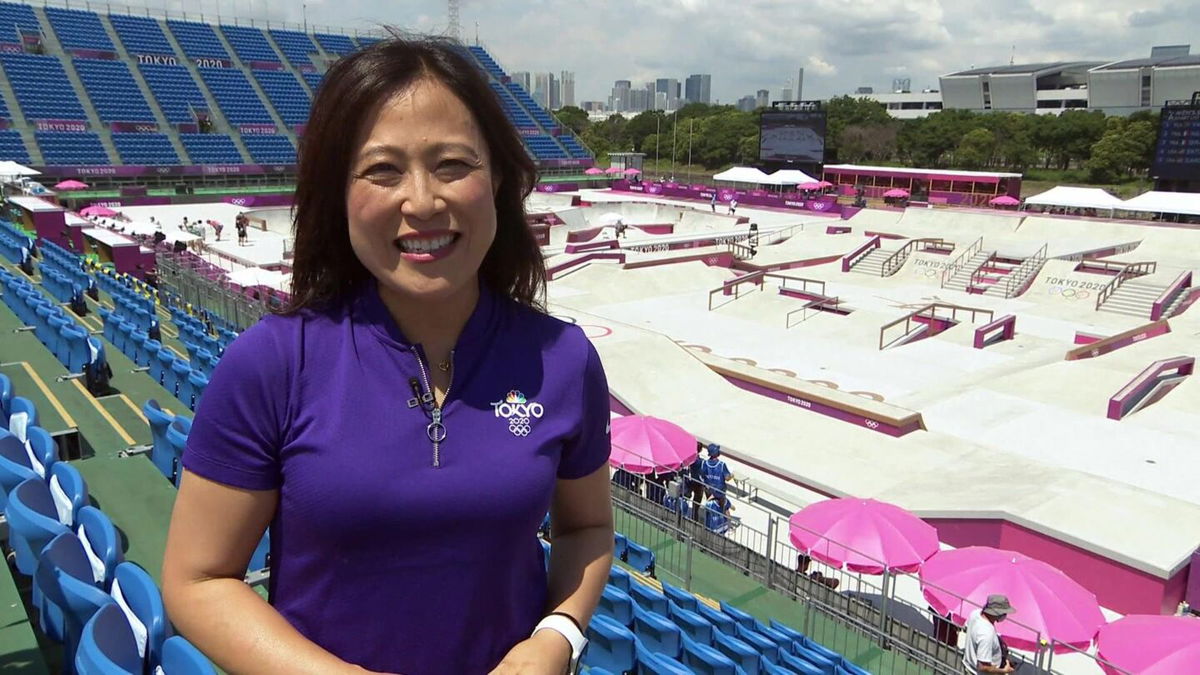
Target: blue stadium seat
720 620
211 149
648 599
657 632
824 665
260 559
175 90
75 339
694 626
640 558
181 658
762 644
161 453
146 148
743 619
313 80
738 651
158 371
107 645
134 588
12 145
619 578
798 665
6 394
71 147
706 660
64 579
197 383
173 382
680 597
616 604
15 465
335 44
99 535
25 412
69 491
15 18
611 646
653 663
177 436
237 99
32 523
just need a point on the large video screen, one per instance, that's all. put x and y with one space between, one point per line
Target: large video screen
1177 156
792 136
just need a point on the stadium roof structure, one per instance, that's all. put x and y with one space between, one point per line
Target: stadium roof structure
1035 69
1076 198
1153 62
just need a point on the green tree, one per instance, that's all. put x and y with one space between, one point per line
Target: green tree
844 111
1124 148
573 118
975 149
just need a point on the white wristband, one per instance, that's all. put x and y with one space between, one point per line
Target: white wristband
566 628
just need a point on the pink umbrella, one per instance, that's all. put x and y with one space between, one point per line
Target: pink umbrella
630 171
896 193
94 210
1151 645
594 171
825 184
870 535
1004 200
1044 599
643 444
809 186
71 184
612 169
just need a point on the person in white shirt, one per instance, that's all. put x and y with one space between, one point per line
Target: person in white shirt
982 653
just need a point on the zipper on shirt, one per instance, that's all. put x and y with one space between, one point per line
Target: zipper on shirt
435 430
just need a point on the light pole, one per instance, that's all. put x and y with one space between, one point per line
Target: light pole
657 133
691 124
674 133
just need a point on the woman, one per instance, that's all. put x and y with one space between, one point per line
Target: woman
404 425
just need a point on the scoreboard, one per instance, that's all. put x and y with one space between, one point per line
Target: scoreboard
1177 154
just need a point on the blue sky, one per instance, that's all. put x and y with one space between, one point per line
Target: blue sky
751 44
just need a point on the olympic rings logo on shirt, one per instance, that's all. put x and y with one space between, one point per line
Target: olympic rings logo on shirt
518 411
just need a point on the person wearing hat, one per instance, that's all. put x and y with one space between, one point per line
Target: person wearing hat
983 653
715 472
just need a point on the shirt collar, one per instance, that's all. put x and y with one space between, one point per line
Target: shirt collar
371 312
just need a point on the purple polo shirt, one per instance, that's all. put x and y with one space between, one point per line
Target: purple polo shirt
376 555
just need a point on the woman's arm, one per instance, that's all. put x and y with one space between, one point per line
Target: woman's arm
214 531
580 557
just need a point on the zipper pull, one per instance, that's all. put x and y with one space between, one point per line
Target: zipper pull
436 431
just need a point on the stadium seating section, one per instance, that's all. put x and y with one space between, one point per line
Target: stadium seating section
296 46
250 44
79 29
257 76
71 147
175 90
238 100
270 149
113 91
145 149
211 149
286 94
42 87
141 35
198 40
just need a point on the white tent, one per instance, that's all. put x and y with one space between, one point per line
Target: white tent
743 174
10 168
257 276
1076 198
1187 203
790 177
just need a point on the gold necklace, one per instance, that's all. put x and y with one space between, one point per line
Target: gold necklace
444 365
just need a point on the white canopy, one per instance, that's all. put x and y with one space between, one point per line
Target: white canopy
790 177
257 276
1187 203
1076 198
11 168
743 174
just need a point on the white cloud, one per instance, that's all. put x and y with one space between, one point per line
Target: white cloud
756 44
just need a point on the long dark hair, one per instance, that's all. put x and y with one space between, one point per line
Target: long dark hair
325 269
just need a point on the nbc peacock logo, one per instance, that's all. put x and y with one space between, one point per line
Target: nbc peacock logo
519 412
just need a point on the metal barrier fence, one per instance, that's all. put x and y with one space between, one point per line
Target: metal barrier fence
857 615
176 278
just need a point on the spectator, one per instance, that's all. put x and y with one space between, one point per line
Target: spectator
717 514
713 202
983 653
733 206
715 471
804 561
695 484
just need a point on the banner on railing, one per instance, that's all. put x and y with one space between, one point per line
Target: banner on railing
307 69
210 62
7 48
140 170
59 125
258 129
264 65
157 59
93 54
133 127
530 132
566 163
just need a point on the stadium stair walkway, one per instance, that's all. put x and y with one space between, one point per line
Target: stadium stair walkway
159 118
17 115
216 116
283 129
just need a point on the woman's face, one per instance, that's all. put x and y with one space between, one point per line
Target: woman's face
420 198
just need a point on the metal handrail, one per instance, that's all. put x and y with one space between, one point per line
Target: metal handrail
961 260
815 306
902 253
932 308
1129 271
803 281
735 285
1028 266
